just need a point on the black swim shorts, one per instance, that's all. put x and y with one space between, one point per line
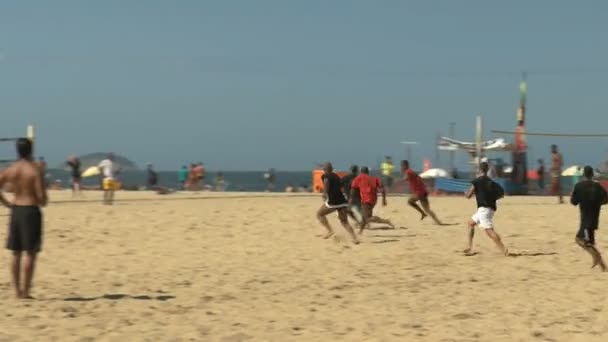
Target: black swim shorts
25 229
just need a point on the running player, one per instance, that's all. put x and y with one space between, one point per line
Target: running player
354 199
419 193
589 196
367 186
334 201
486 192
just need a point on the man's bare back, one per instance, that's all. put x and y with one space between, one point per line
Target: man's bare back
27 183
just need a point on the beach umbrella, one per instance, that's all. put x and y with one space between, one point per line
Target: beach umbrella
573 170
434 173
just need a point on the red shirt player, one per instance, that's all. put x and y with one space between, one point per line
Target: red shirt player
419 192
368 187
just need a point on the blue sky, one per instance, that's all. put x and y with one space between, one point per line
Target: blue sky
247 85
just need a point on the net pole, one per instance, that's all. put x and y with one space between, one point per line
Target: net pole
31 137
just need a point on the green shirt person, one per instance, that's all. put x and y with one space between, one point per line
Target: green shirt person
387 169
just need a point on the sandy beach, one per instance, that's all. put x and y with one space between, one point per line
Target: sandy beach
237 267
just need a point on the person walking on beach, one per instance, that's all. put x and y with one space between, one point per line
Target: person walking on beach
590 196
334 201
25 227
419 193
108 171
74 164
556 172
368 186
486 192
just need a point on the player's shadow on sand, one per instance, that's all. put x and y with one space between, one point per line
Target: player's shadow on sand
386 241
449 224
118 297
385 228
529 254
517 254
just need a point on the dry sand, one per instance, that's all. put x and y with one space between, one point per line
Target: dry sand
170 268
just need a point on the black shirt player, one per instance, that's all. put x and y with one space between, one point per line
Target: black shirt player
486 193
347 181
589 196
334 201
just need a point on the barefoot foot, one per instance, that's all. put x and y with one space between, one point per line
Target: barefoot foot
328 235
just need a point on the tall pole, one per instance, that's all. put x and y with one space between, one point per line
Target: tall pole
437 155
478 140
519 155
30 135
452 125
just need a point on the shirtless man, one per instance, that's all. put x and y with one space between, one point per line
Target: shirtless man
334 201
486 192
25 230
419 193
368 187
556 171
590 196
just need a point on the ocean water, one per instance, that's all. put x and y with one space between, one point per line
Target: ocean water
248 181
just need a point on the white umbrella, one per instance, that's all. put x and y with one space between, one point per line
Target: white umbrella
573 170
434 173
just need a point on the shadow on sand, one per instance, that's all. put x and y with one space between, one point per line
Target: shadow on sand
386 241
529 254
118 297
385 228
449 224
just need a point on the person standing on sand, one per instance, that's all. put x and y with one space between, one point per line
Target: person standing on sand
486 192
419 193
590 196
387 169
540 172
108 171
367 186
182 176
152 177
270 178
199 173
334 201
74 163
25 229
556 172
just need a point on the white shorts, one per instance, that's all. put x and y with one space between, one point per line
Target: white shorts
483 218
335 206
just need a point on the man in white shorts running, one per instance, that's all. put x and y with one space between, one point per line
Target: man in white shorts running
486 192
334 201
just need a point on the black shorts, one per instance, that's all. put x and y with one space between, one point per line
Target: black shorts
25 229
586 235
422 197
